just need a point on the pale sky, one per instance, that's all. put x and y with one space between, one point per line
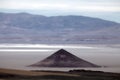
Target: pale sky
105 9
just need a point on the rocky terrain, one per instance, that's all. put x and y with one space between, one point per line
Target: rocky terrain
63 58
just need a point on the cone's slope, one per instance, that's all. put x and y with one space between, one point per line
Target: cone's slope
62 58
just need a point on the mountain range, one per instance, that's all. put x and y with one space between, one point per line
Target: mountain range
38 29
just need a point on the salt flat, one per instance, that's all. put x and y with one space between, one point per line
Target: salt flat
19 56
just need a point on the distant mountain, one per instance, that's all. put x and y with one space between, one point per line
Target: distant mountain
28 28
63 58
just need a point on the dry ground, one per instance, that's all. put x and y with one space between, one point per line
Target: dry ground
33 73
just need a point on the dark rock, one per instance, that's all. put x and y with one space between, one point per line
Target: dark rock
62 58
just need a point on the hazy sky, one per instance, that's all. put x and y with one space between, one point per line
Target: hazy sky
106 9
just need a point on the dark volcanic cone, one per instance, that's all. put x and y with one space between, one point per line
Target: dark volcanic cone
62 58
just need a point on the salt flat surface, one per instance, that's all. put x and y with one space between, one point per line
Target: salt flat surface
20 56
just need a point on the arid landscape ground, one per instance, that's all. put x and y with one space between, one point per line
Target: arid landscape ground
10 74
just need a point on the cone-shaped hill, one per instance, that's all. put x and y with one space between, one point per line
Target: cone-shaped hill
63 58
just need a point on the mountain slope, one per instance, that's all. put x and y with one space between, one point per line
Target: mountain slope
28 28
63 58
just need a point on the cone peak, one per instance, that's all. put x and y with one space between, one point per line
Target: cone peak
62 50
63 58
